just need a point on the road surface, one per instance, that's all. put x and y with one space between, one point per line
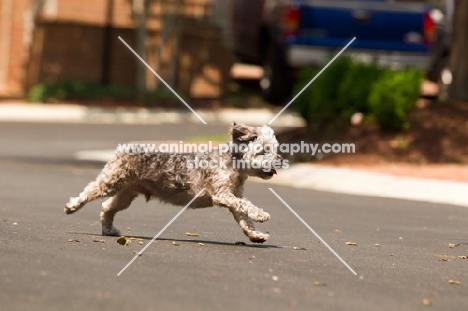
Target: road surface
52 261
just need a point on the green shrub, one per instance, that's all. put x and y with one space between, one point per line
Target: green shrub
356 86
348 86
162 94
303 103
78 90
341 90
44 92
36 93
393 96
319 104
88 90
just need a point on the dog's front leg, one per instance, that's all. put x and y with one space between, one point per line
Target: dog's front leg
241 205
248 227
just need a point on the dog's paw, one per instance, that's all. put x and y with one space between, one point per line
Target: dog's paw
69 209
110 231
258 237
73 206
259 215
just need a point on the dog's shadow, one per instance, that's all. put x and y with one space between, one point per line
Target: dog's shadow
236 244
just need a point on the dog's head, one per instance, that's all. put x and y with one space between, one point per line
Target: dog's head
254 150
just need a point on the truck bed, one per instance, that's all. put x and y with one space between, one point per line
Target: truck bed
377 25
382 29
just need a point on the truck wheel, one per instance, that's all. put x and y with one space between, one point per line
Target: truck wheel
276 82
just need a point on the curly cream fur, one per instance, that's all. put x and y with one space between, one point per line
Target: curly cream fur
168 178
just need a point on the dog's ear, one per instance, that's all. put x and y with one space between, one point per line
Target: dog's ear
242 132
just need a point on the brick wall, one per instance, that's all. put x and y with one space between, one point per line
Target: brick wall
68 45
13 49
67 51
204 63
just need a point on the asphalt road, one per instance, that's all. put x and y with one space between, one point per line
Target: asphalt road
41 270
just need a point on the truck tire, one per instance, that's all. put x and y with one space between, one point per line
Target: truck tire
277 79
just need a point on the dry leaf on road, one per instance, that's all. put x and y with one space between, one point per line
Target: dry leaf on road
427 302
123 240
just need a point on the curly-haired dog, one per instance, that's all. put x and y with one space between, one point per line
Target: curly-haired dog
176 178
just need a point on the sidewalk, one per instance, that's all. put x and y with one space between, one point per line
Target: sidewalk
417 184
445 184
65 113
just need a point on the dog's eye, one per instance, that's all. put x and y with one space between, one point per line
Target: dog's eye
247 138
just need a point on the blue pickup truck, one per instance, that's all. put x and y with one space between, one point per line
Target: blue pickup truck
282 35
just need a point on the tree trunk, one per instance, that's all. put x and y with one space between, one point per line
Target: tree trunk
170 39
165 19
106 61
177 26
141 10
459 58
31 20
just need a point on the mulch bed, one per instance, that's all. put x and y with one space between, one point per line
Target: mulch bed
438 134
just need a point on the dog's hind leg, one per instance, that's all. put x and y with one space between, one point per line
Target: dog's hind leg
104 186
110 207
249 229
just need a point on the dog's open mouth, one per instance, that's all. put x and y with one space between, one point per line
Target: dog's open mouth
269 172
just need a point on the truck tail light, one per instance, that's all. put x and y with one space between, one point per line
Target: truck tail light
291 21
429 29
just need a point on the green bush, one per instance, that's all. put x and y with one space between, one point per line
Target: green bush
393 96
78 90
318 104
341 90
162 95
303 103
347 87
356 86
43 93
89 90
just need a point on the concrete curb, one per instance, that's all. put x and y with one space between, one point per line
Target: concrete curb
80 114
349 181
361 182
